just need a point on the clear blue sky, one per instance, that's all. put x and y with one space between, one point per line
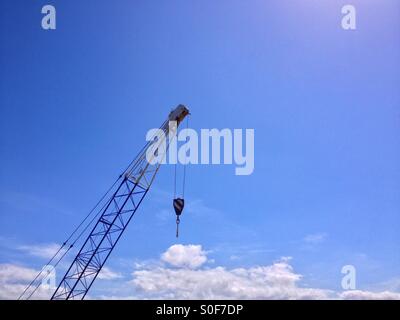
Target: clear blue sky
76 102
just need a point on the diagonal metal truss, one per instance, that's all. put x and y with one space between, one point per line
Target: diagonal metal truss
115 216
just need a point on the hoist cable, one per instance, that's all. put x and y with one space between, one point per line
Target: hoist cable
37 276
38 285
69 238
138 155
175 181
184 166
184 170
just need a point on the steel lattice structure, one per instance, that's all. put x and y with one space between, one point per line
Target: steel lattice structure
115 216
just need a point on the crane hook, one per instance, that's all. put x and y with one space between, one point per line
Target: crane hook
177 226
179 204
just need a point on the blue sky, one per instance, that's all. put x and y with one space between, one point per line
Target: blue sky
76 102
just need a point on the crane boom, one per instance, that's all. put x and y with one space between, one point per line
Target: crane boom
115 216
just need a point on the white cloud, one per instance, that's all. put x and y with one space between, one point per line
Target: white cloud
45 251
186 256
107 274
277 281
188 281
181 274
14 279
368 295
10 273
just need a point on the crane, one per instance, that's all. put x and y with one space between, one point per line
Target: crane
114 216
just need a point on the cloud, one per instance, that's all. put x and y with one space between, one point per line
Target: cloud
107 274
45 251
15 278
315 238
368 295
186 280
275 281
185 256
10 273
184 272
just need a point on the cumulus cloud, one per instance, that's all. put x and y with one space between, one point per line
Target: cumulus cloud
15 278
186 280
191 280
185 256
10 273
184 272
277 281
368 295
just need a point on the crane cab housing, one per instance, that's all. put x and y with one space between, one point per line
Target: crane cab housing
178 114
